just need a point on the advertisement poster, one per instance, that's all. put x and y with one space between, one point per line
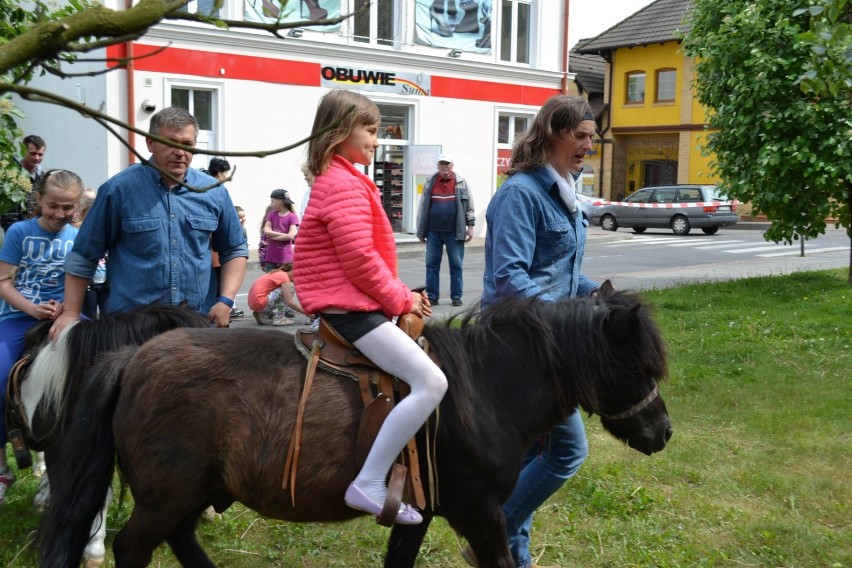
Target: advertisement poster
504 160
454 24
268 11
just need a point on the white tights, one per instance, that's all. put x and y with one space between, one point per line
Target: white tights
391 349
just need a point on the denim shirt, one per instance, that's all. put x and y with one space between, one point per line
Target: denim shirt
158 239
533 244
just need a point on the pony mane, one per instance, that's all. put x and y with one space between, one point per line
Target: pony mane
47 374
568 338
59 369
476 331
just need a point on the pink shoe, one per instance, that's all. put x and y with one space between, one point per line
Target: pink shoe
356 499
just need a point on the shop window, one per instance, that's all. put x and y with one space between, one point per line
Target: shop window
635 87
394 124
391 169
666 85
515 30
376 25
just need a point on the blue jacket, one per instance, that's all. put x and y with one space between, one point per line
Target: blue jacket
533 244
158 239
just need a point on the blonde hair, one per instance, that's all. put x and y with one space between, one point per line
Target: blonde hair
343 111
559 114
309 175
61 179
87 198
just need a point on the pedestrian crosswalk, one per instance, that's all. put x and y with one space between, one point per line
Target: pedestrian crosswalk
728 246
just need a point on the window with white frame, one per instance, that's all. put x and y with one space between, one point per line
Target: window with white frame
378 25
205 8
635 87
515 30
203 104
510 125
666 85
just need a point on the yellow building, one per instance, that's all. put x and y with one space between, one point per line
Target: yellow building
655 127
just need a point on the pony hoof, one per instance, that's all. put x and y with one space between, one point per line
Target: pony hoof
210 514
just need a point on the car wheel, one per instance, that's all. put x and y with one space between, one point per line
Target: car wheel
710 230
680 225
639 229
608 223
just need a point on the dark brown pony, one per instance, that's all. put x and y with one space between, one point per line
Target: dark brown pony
205 416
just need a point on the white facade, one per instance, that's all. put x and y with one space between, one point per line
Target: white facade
262 92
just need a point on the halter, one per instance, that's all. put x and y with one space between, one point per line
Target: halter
635 408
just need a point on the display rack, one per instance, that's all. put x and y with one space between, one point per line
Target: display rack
389 177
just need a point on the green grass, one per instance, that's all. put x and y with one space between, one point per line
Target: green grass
757 473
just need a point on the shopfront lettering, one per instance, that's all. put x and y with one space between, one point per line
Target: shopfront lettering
346 75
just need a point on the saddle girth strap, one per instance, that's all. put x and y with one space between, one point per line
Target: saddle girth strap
292 462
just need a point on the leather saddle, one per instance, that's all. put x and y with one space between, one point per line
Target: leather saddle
326 349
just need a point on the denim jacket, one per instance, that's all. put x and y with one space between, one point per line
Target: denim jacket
158 239
533 244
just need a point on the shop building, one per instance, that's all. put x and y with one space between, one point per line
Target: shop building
455 76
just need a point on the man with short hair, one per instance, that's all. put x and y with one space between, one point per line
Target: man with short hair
158 229
30 162
445 219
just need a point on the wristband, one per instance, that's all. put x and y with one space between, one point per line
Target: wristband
226 300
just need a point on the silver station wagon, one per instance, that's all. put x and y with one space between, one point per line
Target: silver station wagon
675 207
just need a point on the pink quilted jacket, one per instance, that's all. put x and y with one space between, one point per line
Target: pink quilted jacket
345 251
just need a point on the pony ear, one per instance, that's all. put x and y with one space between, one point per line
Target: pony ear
620 323
606 288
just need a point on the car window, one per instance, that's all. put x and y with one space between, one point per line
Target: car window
640 196
716 194
689 194
664 195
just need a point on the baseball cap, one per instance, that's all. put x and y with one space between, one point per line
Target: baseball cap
281 194
445 158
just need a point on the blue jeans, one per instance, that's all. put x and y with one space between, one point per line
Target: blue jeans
435 243
12 331
545 468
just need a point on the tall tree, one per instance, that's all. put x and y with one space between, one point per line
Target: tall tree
779 143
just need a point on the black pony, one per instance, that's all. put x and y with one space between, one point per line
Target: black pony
205 416
49 386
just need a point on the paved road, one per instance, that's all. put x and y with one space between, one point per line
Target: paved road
636 262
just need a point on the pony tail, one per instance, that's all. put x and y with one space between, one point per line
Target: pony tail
81 475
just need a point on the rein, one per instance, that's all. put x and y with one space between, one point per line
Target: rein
635 408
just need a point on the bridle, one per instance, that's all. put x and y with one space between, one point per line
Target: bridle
636 408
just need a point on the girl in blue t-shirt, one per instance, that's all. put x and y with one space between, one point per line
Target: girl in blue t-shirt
32 278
